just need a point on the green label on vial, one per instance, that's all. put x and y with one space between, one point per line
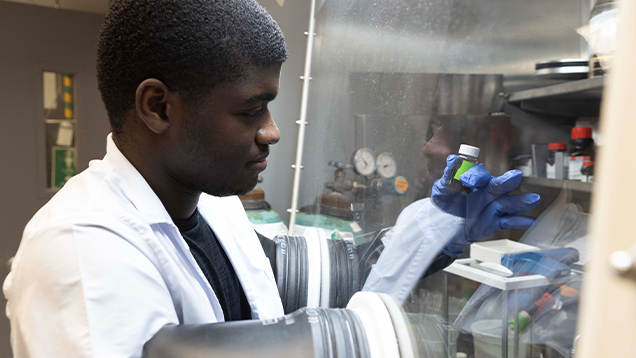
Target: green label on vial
463 169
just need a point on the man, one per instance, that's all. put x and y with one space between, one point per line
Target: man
153 234
103 266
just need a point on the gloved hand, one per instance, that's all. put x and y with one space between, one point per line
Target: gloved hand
487 208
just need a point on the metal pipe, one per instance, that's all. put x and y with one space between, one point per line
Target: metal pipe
447 335
504 326
303 117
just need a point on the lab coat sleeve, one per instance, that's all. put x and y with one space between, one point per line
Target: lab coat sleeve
82 290
419 235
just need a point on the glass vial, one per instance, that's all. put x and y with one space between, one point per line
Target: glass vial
467 159
581 150
587 171
557 160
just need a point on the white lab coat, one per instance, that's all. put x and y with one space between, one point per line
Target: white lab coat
102 267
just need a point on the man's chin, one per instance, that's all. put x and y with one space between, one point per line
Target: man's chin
241 192
230 190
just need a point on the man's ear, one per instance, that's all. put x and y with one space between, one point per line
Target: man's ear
153 99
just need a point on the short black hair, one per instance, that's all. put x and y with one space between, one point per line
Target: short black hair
190 45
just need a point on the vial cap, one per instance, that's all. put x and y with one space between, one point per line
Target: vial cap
557 146
581 132
588 163
469 150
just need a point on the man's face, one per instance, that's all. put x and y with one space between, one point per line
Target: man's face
221 148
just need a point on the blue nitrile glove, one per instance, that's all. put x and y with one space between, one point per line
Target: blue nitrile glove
487 208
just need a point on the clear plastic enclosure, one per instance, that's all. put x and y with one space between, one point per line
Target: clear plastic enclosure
396 87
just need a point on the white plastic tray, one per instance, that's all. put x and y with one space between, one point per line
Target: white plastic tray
469 269
493 251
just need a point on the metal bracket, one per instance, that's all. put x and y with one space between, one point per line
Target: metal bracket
294 166
303 78
298 122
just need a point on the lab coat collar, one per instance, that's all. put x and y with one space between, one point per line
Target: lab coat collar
136 188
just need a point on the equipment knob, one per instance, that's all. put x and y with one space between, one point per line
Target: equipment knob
340 165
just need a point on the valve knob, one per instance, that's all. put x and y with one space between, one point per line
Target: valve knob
340 165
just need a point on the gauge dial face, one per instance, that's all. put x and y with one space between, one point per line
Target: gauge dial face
386 165
364 161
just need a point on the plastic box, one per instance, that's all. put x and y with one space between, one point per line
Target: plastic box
493 251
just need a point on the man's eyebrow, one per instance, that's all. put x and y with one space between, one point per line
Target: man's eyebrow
261 97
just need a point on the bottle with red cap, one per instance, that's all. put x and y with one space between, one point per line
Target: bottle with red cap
557 161
588 171
581 150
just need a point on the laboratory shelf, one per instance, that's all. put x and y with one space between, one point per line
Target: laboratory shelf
467 268
573 185
581 89
581 98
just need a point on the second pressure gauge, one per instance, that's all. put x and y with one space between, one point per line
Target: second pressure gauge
364 161
386 165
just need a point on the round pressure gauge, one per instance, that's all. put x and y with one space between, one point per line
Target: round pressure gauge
386 165
364 161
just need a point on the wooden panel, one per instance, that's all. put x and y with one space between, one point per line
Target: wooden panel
609 301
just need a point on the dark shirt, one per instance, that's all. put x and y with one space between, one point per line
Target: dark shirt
218 269
216 266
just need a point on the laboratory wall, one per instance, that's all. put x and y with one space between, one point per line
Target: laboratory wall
33 39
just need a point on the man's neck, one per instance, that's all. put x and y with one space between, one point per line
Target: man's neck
179 200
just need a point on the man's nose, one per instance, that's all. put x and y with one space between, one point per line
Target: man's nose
268 133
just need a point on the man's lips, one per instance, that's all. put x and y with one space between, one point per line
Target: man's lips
259 164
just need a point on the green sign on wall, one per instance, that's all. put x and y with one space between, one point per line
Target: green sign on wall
63 166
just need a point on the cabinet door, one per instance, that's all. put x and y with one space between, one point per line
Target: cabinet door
608 304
